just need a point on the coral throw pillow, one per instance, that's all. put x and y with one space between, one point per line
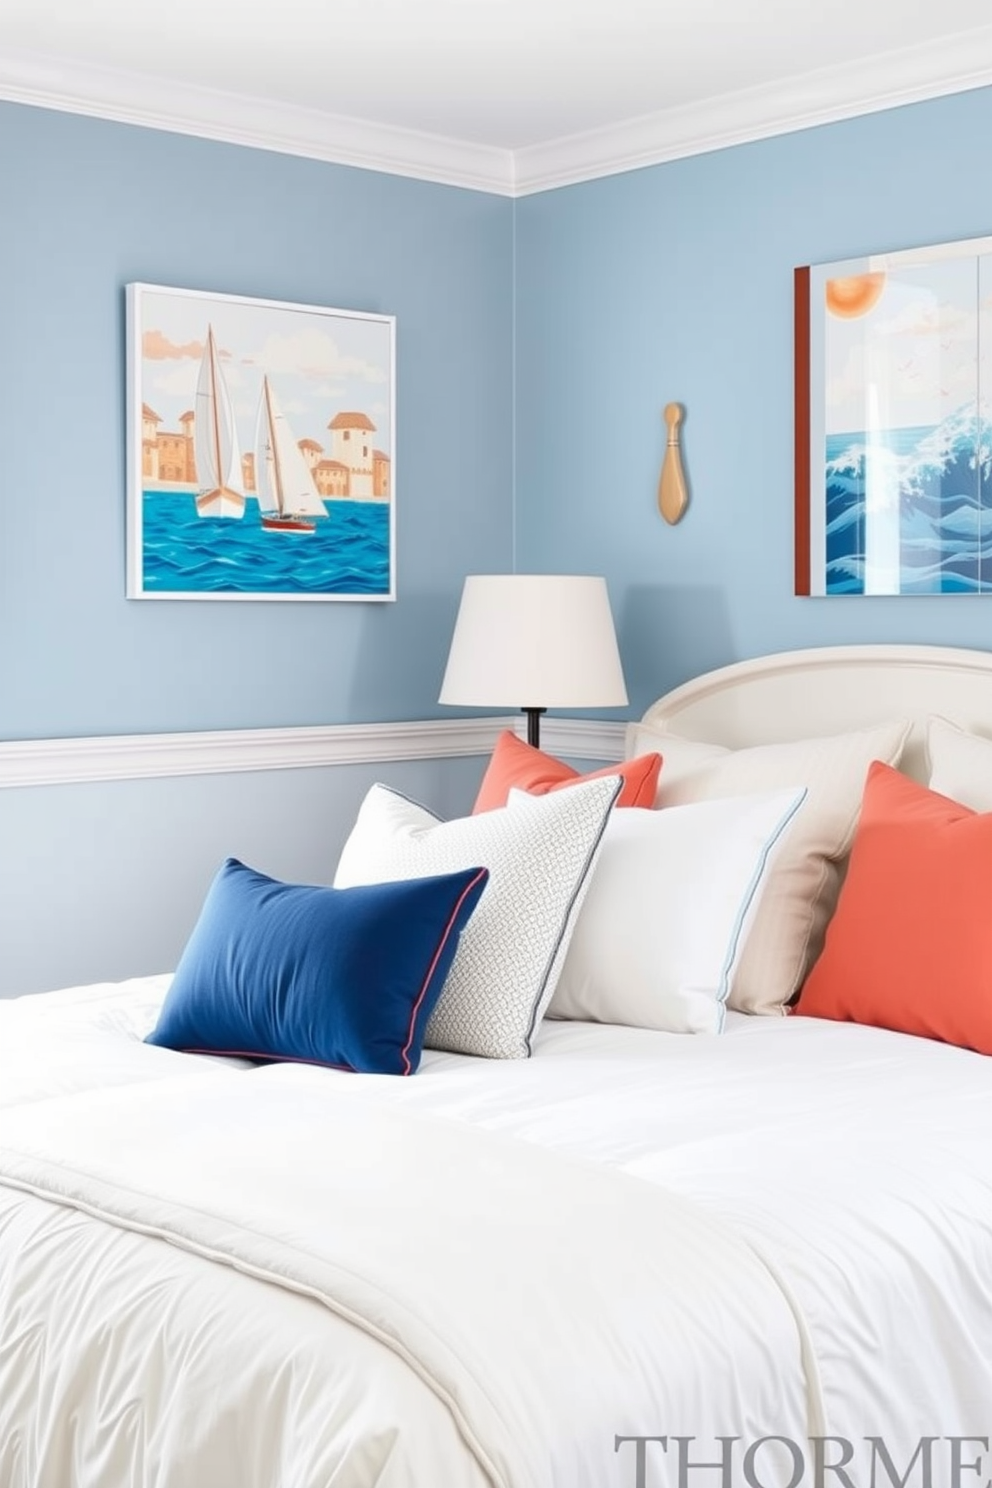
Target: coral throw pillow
910 945
518 766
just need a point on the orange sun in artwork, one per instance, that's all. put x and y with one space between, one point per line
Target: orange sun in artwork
849 298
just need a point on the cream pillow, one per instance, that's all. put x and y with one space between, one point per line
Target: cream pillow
960 764
802 888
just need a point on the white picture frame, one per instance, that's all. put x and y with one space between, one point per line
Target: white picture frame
260 461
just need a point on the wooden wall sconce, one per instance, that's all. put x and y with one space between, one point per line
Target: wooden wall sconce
673 497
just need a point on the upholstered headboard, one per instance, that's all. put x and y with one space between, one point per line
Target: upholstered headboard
797 694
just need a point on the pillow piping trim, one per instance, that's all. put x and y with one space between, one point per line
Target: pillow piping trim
410 801
758 873
259 1058
482 875
567 918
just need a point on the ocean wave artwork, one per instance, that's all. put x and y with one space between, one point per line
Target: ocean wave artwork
894 423
184 553
926 492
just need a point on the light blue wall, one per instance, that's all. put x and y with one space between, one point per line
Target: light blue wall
675 284
105 880
89 206
668 283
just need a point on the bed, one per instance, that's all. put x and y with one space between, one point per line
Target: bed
634 1252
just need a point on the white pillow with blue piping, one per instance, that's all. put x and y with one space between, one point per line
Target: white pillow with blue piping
661 930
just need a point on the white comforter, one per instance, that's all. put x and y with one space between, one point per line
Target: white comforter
483 1308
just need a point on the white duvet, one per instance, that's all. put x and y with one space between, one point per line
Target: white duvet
488 1272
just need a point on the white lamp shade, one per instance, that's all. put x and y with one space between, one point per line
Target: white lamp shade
534 641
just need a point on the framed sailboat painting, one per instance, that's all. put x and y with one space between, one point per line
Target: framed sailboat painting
260 449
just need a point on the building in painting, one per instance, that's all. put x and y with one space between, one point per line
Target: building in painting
380 474
167 457
150 421
311 451
173 458
332 478
352 470
351 444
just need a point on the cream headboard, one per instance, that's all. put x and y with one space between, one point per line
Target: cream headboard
801 694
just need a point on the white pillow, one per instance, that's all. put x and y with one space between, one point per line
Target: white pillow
801 893
539 857
960 764
672 896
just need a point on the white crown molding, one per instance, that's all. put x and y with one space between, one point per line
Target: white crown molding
182 108
952 64
34 762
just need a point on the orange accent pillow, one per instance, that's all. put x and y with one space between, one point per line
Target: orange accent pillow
518 766
910 944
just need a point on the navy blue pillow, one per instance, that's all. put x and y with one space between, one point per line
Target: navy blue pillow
342 977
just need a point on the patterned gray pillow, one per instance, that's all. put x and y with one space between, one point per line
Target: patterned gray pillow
540 856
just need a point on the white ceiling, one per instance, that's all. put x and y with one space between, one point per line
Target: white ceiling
497 81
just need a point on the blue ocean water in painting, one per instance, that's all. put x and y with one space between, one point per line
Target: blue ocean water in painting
185 553
938 489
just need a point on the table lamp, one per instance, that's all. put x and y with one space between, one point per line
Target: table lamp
534 641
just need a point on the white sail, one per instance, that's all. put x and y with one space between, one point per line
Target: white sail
215 440
282 476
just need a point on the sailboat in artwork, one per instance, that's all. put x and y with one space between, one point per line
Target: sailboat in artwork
287 498
215 441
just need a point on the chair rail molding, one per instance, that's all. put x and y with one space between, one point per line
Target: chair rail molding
36 762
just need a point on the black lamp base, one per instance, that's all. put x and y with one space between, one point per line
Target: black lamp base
534 725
